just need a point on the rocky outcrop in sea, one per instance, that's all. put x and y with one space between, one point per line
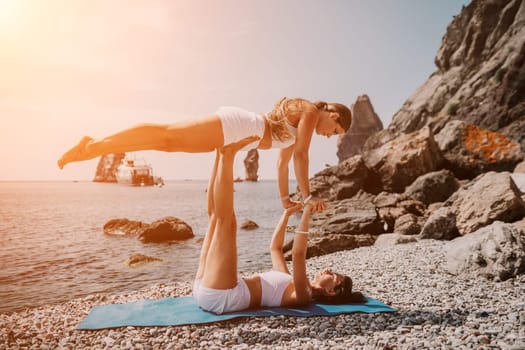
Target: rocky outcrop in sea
165 230
107 167
251 165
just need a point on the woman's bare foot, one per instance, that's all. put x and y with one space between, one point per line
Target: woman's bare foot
76 153
233 148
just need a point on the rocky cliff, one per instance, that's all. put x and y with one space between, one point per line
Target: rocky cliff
449 163
480 76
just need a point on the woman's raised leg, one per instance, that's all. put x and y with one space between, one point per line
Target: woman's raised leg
211 218
196 136
221 260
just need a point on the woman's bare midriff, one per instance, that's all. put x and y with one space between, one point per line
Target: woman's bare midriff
254 285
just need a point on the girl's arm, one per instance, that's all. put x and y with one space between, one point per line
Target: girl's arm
305 129
283 161
276 246
300 243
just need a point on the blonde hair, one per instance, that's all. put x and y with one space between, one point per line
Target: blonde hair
277 120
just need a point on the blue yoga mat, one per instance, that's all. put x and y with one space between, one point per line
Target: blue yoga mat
184 311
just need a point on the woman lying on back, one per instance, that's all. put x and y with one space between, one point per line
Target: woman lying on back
218 287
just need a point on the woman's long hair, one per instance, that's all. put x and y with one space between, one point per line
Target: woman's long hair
345 114
278 121
343 294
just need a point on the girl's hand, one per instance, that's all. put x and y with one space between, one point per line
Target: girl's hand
294 208
287 203
318 205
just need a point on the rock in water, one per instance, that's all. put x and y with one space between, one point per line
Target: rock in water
251 163
139 259
249 225
166 230
107 167
124 227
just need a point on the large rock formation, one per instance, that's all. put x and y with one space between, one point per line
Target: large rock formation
251 164
480 77
107 167
442 168
365 122
432 205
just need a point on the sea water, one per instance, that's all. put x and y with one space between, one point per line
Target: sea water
53 248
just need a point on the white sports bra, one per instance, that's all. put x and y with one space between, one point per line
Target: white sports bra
273 285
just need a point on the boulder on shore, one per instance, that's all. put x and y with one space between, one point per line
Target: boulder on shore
469 150
399 162
340 181
433 187
326 244
490 197
353 216
495 252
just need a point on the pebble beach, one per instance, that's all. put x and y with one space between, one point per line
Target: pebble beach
435 310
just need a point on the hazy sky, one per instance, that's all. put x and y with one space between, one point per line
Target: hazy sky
70 68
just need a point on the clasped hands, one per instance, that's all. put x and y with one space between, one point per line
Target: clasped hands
317 205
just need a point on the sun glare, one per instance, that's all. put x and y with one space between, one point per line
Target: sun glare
10 16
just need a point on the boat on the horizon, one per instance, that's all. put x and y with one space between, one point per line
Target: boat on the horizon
137 173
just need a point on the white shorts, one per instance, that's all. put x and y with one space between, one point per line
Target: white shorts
220 301
238 124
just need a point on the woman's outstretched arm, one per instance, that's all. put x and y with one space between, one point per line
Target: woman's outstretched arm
305 129
283 162
300 244
276 246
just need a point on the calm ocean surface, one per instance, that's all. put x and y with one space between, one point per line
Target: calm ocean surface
53 249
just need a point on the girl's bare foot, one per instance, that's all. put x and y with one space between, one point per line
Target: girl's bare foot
233 148
76 153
